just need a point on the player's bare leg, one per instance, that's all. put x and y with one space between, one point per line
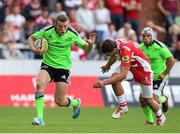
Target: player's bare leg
147 98
63 101
122 104
42 80
161 99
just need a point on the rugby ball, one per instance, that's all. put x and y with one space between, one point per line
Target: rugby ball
41 43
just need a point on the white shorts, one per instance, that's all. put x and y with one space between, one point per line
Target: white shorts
129 76
146 91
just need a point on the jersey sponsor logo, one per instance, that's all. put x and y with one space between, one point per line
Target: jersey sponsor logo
125 59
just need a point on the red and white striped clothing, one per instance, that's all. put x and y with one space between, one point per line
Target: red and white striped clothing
132 56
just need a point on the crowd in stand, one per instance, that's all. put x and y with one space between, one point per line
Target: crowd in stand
108 18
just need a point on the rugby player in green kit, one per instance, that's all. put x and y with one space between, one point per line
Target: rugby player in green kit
56 64
162 62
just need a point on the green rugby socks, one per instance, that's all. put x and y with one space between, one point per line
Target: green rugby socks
74 103
39 98
148 113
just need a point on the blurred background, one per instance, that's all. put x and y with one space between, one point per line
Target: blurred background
110 19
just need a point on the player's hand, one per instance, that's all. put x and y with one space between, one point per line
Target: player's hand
105 68
92 38
98 84
162 76
38 50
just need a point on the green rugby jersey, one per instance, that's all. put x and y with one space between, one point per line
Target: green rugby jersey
157 54
58 54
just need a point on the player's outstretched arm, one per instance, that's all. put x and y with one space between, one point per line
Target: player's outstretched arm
114 79
108 65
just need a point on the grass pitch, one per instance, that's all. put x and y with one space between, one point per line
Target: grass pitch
91 120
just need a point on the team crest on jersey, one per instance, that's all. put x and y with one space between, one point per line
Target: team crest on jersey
125 59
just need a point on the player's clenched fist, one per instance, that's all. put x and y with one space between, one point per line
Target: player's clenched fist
105 68
98 84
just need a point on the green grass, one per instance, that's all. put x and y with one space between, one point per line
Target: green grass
97 120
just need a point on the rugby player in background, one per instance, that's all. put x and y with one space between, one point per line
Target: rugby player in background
162 62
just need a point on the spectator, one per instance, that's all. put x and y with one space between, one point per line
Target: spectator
116 9
43 20
51 4
132 36
3 6
125 31
102 18
1 44
177 49
132 8
17 21
73 20
32 10
156 29
92 4
72 4
169 9
57 11
23 3
111 33
174 30
9 40
86 17
29 29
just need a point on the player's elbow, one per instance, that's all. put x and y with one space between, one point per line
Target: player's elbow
121 76
124 75
171 61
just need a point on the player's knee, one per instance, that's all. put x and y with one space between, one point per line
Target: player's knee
115 84
39 85
59 101
148 101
